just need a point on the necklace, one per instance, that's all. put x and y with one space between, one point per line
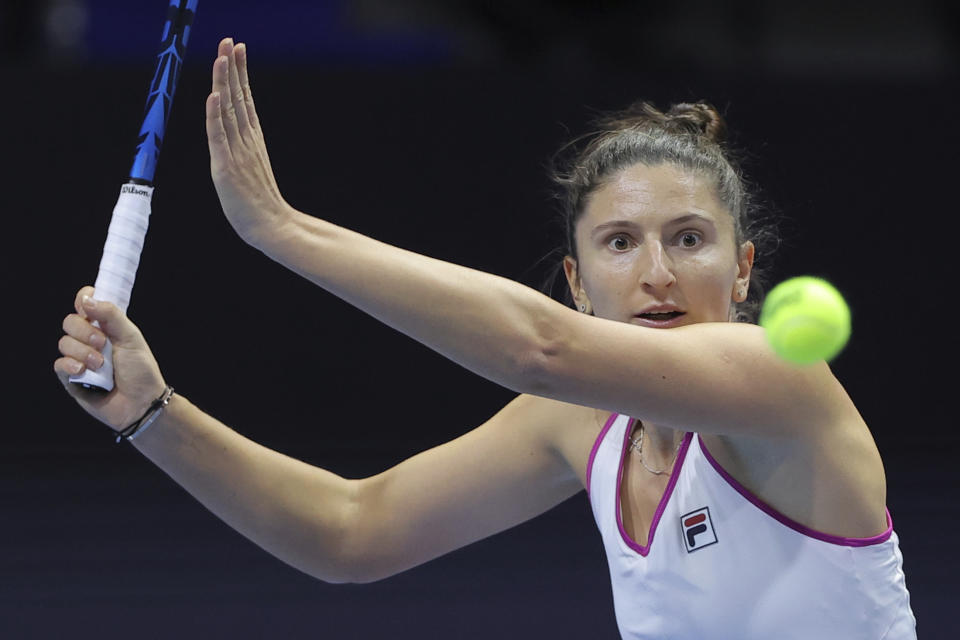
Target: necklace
636 444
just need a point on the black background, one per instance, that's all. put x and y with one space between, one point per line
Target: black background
446 159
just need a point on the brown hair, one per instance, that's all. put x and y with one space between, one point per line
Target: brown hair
688 136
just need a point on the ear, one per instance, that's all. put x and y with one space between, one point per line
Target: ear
576 284
744 267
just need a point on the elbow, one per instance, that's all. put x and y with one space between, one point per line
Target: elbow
369 577
354 565
330 579
533 367
356 557
326 567
349 575
353 569
339 555
336 569
540 363
346 573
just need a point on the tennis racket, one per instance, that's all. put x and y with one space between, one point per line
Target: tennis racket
128 225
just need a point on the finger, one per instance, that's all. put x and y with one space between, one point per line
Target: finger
241 54
77 301
70 347
236 93
240 51
220 154
80 328
65 367
224 48
228 114
114 324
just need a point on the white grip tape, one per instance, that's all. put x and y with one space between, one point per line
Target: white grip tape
118 266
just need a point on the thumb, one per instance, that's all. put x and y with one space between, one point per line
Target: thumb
113 322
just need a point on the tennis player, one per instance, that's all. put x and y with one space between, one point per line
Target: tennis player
737 496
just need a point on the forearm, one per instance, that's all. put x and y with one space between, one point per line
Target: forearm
297 512
491 325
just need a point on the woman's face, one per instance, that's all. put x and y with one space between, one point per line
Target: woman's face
657 239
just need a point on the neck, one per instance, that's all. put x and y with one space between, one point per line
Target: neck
659 443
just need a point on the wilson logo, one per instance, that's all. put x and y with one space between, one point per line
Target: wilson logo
134 191
697 528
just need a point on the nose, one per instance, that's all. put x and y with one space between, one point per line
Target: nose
656 268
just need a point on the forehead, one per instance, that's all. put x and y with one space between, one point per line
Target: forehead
654 195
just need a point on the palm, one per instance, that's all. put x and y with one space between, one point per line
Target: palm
135 374
239 163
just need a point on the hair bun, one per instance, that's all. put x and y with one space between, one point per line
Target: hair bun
699 117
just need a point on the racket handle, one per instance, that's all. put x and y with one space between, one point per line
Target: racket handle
118 267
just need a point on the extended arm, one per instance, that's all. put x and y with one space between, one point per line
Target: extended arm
506 471
711 377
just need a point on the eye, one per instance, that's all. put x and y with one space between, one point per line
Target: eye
619 242
690 239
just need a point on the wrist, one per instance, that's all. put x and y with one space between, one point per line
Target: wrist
155 388
166 430
148 417
272 236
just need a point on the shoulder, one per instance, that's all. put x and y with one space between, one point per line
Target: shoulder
828 477
550 418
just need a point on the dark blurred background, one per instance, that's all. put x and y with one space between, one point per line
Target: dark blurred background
428 125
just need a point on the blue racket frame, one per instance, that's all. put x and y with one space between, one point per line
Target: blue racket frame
173 47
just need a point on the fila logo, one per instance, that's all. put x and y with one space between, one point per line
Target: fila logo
697 528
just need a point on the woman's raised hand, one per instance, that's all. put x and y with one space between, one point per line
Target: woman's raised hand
137 378
239 163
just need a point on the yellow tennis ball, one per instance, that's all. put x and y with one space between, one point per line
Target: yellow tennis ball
806 320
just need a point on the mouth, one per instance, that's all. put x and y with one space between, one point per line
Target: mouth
660 319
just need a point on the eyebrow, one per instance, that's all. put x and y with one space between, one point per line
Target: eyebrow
629 223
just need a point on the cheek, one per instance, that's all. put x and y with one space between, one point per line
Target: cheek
606 280
602 266
711 273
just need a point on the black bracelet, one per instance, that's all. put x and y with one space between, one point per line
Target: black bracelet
147 418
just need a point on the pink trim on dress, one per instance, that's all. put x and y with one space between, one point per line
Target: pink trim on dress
796 526
596 446
674 476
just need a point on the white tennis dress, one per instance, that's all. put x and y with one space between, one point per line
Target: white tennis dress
721 564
